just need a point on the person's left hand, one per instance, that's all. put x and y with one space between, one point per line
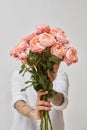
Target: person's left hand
55 68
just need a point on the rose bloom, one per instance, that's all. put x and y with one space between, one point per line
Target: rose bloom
56 30
58 50
22 56
28 37
18 48
42 28
60 35
71 55
35 45
46 39
62 38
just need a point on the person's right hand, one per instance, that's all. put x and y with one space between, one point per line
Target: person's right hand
40 105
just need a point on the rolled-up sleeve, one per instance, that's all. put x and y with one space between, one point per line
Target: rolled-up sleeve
61 85
17 83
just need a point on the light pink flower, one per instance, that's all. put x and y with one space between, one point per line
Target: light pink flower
56 30
28 37
42 28
60 35
22 56
58 50
18 48
35 45
46 39
62 38
71 55
22 45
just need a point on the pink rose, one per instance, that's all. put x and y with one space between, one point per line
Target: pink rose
42 28
62 38
35 45
60 35
29 37
71 55
58 50
20 47
46 39
56 30
22 56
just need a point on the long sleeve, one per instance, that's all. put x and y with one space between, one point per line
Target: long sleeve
61 85
17 83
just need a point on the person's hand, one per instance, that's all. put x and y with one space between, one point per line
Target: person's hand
55 69
40 105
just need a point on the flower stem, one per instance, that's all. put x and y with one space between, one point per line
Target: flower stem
51 128
45 122
46 117
41 122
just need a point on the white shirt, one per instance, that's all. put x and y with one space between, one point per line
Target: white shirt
21 122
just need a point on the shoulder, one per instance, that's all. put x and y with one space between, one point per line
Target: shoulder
61 78
61 82
62 74
16 76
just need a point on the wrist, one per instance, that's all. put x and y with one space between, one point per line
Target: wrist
31 113
58 99
35 114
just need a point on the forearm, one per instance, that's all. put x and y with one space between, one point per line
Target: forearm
23 108
58 99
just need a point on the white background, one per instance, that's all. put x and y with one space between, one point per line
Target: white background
18 18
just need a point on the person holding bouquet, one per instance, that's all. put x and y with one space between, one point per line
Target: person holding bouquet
28 104
41 106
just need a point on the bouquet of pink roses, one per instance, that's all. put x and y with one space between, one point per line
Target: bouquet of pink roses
39 51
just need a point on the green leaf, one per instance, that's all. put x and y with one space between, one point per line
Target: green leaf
24 89
49 65
30 71
22 68
41 80
38 87
38 61
52 93
28 82
51 71
50 85
54 59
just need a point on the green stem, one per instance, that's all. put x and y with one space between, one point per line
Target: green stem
46 115
45 118
45 122
50 122
41 122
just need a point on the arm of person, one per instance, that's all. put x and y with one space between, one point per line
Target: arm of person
23 108
61 86
58 99
19 99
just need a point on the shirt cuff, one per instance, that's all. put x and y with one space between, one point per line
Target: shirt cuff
63 105
17 98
